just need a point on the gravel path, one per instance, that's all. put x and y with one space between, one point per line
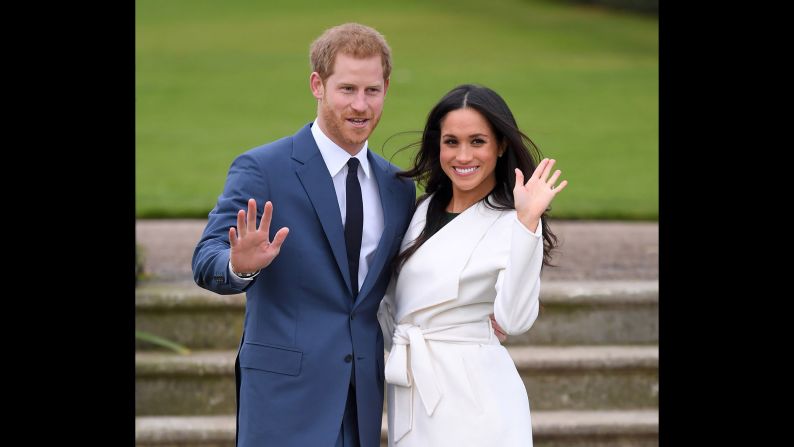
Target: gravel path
589 250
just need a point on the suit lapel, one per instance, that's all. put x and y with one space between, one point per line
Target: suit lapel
387 200
313 175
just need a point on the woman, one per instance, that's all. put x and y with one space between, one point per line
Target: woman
475 246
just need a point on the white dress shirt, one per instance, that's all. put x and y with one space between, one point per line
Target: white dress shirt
335 159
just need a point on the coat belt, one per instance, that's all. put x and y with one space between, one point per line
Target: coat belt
421 373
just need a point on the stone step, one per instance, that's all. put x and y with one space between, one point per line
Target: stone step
573 313
556 378
595 313
589 377
633 428
189 315
589 249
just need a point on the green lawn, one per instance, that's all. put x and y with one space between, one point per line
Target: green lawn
216 78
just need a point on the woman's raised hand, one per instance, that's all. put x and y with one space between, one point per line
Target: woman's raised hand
533 197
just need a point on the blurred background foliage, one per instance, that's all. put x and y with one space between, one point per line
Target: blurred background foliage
216 78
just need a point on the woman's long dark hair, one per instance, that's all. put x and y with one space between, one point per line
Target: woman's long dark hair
520 152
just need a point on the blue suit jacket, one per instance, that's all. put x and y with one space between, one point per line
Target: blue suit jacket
301 321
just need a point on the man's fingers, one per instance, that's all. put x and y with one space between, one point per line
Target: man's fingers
232 237
251 215
241 223
500 334
278 239
267 214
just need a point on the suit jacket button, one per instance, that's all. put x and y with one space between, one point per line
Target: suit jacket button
348 358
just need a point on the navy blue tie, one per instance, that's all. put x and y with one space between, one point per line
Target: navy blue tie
354 222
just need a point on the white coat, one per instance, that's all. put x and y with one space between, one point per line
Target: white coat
450 381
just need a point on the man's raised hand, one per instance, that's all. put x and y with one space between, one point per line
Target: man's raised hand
252 249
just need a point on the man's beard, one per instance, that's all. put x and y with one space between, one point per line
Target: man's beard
338 130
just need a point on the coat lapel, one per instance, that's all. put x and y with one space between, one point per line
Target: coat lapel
441 259
388 199
313 175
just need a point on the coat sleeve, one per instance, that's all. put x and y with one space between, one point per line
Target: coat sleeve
386 313
245 180
518 284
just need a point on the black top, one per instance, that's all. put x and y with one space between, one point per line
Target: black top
448 218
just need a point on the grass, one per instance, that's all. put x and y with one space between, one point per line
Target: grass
214 79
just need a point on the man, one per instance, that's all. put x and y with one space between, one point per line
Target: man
310 364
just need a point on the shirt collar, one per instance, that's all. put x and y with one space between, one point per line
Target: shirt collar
335 157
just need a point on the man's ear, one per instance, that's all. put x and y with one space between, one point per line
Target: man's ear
385 86
316 84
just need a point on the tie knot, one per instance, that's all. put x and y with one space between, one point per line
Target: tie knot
352 164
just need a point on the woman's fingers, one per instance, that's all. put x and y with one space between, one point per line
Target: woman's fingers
519 178
554 178
539 168
547 169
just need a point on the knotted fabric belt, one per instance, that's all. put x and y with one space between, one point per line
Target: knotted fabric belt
421 373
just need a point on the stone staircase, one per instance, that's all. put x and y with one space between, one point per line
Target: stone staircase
589 363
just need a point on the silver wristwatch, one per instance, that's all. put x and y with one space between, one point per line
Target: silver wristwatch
243 275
